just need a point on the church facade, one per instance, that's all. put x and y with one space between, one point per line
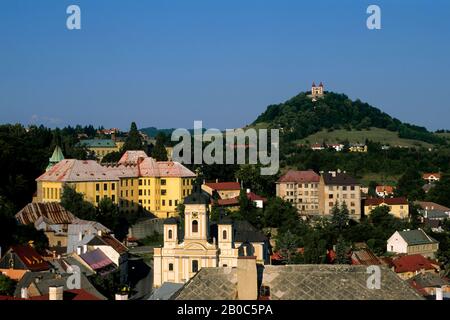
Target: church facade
204 244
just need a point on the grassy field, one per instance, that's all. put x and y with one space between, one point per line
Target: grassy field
374 134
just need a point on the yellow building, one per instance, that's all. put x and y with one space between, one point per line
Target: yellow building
398 207
204 244
135 181
101 147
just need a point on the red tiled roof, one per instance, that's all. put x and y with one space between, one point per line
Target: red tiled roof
426 205
53 211
428 175
412 263
388 201
235 201
224 185
75 294
114 243
300 176
387 189
32 260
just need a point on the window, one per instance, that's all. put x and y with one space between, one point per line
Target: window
194 225
105 187
113 198
344 188
163 192
140 192
330 196
170 266
224 234
140 182
97 199
352 188
97 187
330 204
176 202
170 234
163 182
164 202
194 265
170 203
113 186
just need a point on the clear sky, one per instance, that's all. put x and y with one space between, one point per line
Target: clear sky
166 63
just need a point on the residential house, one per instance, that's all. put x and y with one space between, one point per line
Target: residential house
364 256
203 244
337 188
135 181
433 215
301 188
431 177
430 285
20 259
233 203
38 284
50 217
357 147
100 147
247 281
384 191
224 190
398 207
411 242
409 266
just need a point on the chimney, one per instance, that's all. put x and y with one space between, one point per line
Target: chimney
85 248
55 293
248 191
99 233
24 293
80 236
79 250
439 295
247 278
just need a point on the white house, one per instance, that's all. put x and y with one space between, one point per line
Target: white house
411 242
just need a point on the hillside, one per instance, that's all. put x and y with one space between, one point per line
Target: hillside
300 117
382 136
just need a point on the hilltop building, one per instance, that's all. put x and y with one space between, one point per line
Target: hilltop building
135 181
101 147
204 244
317 91
399 207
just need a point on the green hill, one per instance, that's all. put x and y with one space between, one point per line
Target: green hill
300 117
382 136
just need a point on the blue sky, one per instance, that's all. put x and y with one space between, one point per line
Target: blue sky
166 63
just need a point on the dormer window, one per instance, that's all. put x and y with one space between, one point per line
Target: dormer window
194 226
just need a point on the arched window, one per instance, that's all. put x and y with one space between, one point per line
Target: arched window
224 234
170 266
194 265
194 226
170 234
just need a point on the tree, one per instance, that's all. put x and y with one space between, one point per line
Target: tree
410 185
280 214
287 244
440 193
159 152
133 140
75 203
112 157
342 251
7 285
340 217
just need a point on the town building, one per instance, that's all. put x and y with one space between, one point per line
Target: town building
412 242
398 207
431 177
384 191
409 266
135 181
20 259
337 188
101 147
358 147
247 281
301 188
222 190
431 285
233 203
203 244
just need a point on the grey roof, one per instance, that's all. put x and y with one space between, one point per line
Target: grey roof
416 237
301 282
434 214
166 291
243 231
171 221
43 280
428 280
340 179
